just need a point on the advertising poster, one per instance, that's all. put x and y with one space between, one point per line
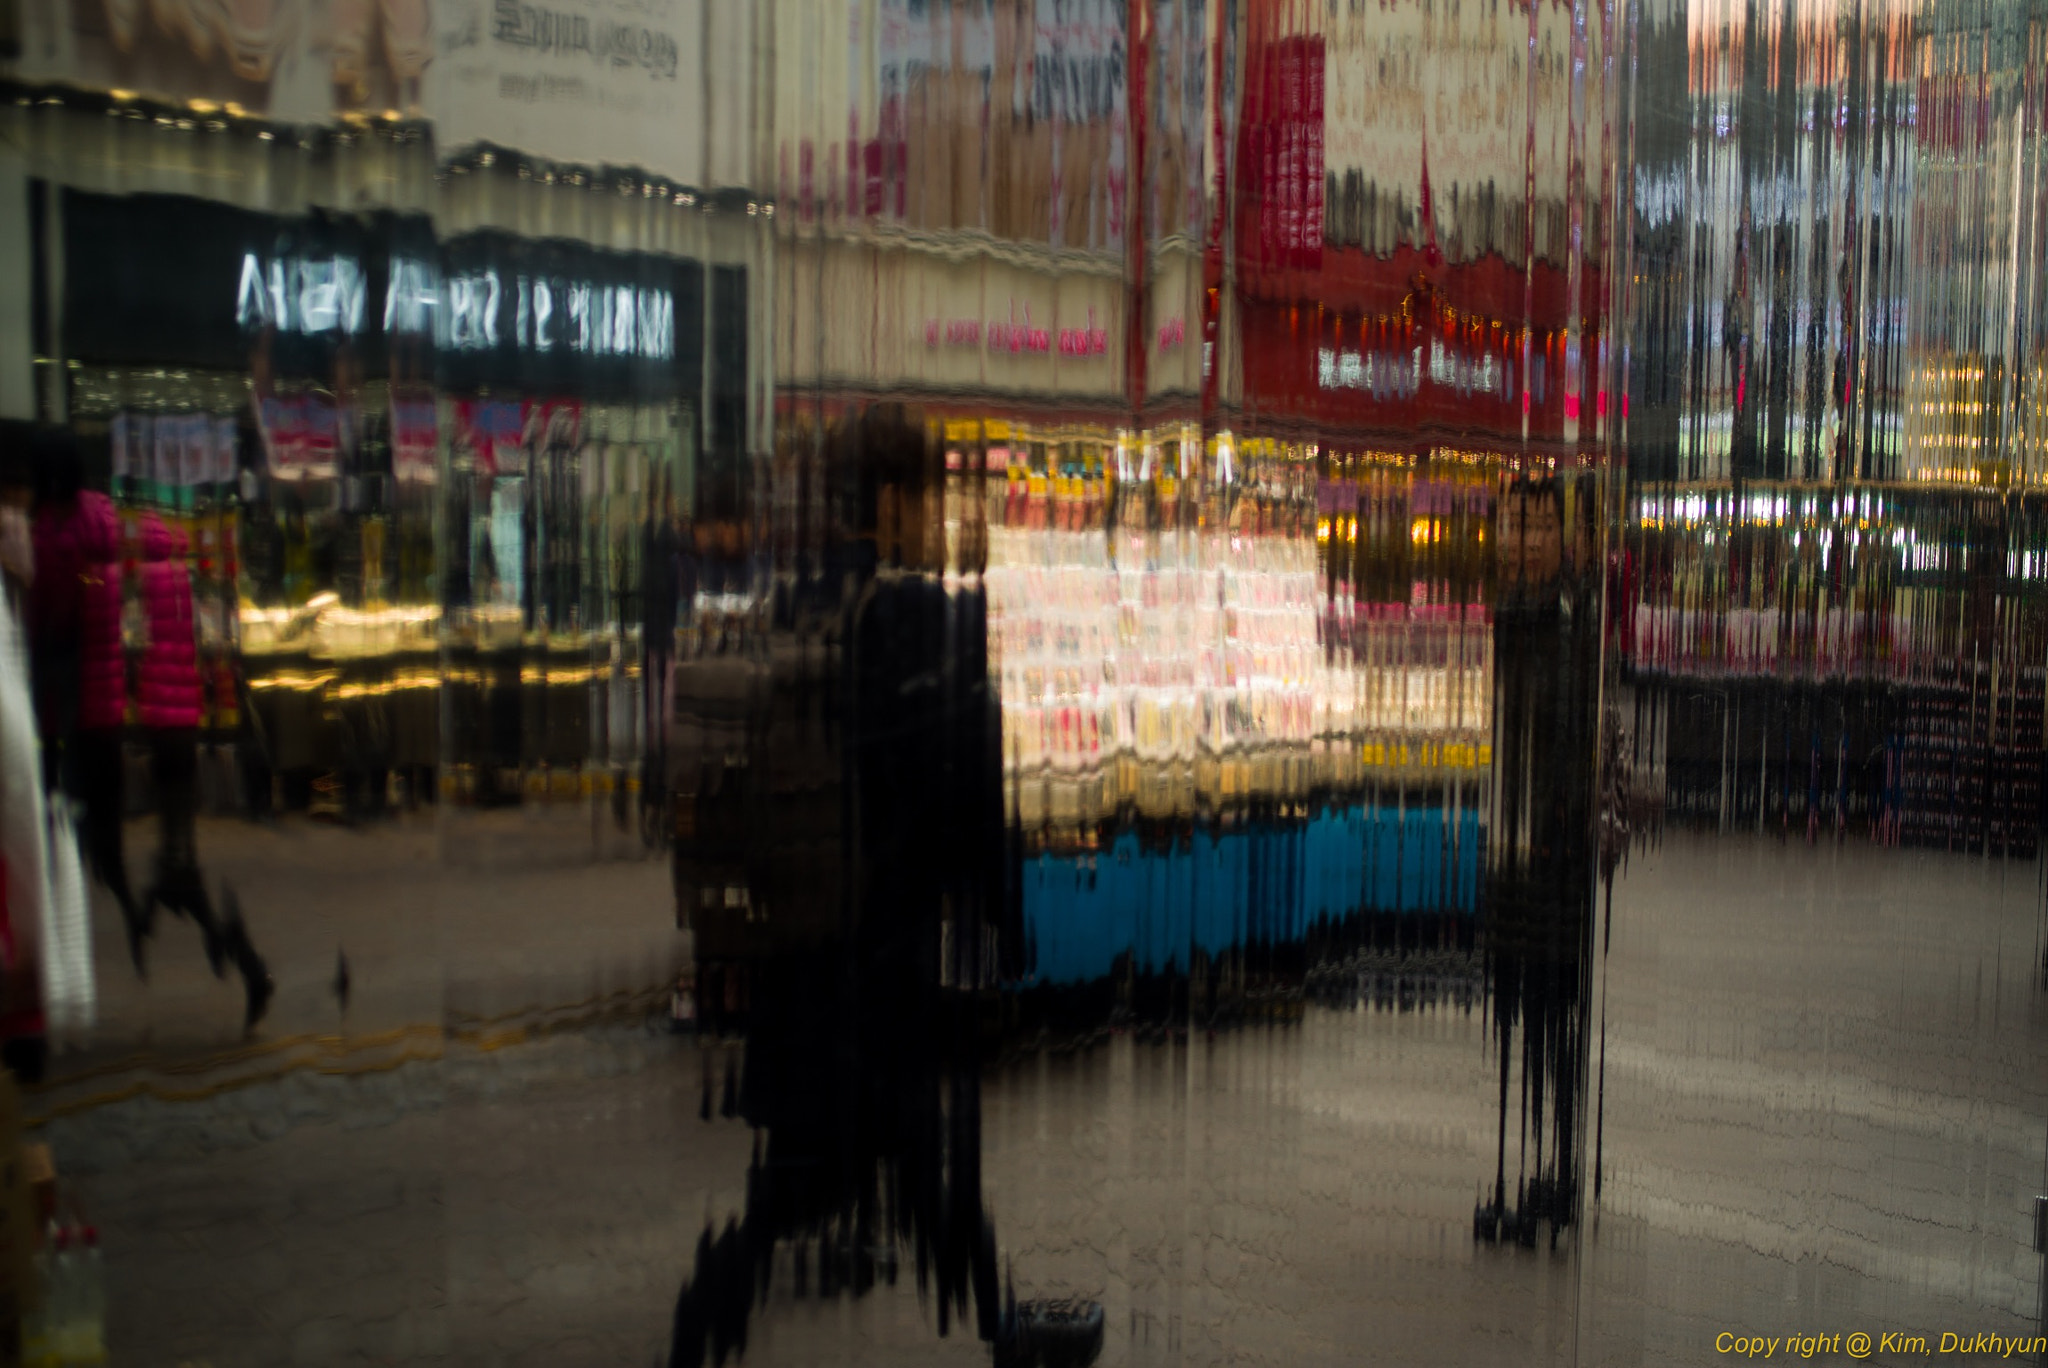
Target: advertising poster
197 464
1397 117
491 432
414 439
555 425
299 435
587 82
167 450
294 60
320 436
226 444
1282 156
123 433
1078 72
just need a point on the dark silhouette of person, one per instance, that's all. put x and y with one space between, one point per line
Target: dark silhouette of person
861 1065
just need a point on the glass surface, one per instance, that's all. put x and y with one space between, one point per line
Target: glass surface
1145 681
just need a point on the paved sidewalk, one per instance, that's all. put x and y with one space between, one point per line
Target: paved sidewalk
444 920
1294 1195
532 1206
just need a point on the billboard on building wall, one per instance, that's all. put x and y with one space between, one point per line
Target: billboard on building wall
294 60
1010 116
1446 122
933 325
586 82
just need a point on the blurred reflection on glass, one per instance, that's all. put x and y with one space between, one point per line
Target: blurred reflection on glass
1446 594
1827 639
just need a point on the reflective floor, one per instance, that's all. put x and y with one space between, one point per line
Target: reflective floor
1305 1187
1037 681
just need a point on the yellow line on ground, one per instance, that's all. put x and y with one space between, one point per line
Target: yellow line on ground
329 1055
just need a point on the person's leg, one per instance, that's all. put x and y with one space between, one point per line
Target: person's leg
656 677
650 691
54 673
174 762
98 785
227 936
661 667
174 768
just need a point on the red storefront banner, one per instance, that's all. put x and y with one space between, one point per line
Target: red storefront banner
1280 157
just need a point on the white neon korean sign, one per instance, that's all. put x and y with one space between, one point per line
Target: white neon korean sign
315 296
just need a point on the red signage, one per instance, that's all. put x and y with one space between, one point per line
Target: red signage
958 332
1018 339
1088 341
1281 153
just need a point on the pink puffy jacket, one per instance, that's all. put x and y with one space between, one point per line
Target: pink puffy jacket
75 601
168 691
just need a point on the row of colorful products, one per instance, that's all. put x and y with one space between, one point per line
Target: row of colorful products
165 454
1913 637
180 458
308 435
1095 658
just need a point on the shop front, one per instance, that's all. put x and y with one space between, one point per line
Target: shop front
571 383
225 373
418 471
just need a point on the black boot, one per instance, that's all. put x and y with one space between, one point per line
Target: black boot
257 985
169 893
257 989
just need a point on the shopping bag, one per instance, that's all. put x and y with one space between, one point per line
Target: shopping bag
69 1003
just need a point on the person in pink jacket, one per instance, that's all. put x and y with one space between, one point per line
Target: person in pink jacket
79 667
169 700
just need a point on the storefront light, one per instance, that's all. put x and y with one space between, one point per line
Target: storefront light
298 683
